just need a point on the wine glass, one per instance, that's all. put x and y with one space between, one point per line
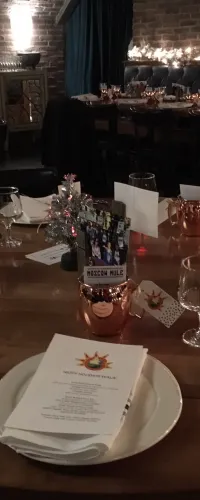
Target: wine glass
104 90
143 180
116 91
10 211
189 295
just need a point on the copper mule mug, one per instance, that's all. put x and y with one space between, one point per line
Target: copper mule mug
187 215
105 309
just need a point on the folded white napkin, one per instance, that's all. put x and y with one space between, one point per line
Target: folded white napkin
34 210
62 449
86 97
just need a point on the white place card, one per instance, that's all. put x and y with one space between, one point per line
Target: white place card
141 208
49 256
77 187
102 275
190 192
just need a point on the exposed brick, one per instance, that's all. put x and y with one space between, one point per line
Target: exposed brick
47 38
173 22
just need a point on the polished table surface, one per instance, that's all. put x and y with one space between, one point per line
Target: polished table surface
35 302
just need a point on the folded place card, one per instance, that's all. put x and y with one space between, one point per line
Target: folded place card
190 192
158 303
76 185
141 208
50 255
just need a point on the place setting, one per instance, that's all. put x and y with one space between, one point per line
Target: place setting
76 383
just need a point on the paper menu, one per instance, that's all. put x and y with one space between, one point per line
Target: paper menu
80 387
141 208
190 192
49 256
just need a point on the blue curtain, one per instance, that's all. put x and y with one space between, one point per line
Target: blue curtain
97 38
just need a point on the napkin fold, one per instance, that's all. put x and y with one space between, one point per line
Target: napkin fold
66 417
34 210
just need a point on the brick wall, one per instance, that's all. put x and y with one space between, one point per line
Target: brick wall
169 22
47 39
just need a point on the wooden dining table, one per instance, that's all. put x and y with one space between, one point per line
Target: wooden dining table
37 301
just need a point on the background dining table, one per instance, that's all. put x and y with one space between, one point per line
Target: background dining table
38 300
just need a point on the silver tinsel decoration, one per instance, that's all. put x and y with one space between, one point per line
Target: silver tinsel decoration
63 214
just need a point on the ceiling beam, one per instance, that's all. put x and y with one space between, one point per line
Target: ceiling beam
66 10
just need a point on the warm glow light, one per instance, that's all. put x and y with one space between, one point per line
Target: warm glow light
172 56
21 26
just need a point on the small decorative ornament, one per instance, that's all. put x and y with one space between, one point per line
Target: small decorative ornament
63 213
155 301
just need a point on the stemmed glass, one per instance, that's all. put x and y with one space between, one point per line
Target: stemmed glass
10 211
116 91
189 295
143 180
104 90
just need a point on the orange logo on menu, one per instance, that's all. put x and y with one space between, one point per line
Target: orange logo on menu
95 362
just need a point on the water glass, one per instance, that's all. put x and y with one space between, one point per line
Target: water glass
10 211
189 295
143 180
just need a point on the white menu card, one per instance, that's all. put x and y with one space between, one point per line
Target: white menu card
77 398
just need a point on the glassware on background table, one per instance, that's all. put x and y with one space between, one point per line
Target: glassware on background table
104 91
10 211
143 180
160 93
116 91
189 295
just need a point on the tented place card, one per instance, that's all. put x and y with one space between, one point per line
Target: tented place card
50 255
158 303
141 208
77 400
190 192
104 275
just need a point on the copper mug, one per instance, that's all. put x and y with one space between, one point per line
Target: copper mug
187 215
105 308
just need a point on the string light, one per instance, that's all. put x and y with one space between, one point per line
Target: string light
174 57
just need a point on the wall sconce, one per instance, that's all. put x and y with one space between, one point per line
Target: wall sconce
21 26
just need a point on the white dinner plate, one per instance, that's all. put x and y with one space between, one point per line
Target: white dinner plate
154 412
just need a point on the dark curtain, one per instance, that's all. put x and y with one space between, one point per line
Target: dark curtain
97 38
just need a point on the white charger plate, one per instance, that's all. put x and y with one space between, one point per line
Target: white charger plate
155 410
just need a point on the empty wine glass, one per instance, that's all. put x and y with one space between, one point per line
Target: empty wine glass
189 295
143 180
104 90
10 211
116 91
